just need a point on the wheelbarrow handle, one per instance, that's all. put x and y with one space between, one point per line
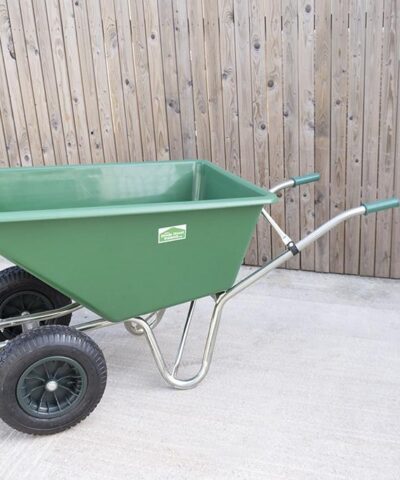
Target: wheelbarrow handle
295 182
307 178
378 205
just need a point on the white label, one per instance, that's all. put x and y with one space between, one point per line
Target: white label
172 234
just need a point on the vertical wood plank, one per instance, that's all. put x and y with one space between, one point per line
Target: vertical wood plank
395 256
40 140
229 85
185 81
371 131
75 81
18 114
44 50
61 71
291 117
156 79
387 139
355 131
128 80
101 78
88 80
259 102
3 149
4 160
139 45
38 85
170 78
196 30
7 120
114 79
338 129
322 126
275 79
242 43
306 124
214 87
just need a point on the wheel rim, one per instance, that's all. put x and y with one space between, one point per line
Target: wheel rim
51 387
21 303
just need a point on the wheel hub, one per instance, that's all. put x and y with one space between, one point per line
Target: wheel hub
51 386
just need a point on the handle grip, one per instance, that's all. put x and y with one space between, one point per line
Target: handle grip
308 178
380 205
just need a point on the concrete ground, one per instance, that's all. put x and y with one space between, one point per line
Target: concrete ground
305 384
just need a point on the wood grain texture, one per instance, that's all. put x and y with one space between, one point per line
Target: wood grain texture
387 136
259 102
115 79
40 140
395 252
139 46
169 63
61 73
52 142
185 81
11 80
229 85
355 115
290 59
323 47
101 77
244 86
199 78
306 124
266 89
3 148
338 128
7 119
88 80
75 81
275 81
43 49
4 160
128 80
214 91
157 79
373 70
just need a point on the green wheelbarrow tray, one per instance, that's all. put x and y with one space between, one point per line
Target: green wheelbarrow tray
127 239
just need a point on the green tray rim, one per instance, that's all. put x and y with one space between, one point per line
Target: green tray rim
264 197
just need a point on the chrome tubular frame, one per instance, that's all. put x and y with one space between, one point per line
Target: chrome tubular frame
283 235
153 319
146 325
184 384
39 317
282 186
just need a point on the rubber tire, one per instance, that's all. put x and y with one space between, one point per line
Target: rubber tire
42 342
15 279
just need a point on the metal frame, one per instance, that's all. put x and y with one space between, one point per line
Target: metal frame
152 320
139 325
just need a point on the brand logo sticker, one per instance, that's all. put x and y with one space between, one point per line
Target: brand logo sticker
172 234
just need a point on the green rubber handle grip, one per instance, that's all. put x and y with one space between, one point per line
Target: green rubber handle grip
381 205
308 178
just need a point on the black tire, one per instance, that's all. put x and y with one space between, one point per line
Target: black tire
33 361
17 284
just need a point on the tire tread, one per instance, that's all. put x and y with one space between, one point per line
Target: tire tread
29 342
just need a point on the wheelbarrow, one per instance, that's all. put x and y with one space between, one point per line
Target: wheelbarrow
125 241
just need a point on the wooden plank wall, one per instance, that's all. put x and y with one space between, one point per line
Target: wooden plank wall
264 88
